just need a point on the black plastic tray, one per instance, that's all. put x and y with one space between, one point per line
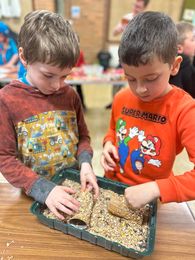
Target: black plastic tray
117 187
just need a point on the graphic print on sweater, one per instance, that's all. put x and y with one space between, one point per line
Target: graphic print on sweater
48 142
148 147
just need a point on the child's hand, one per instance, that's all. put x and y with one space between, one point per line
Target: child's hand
109 157
60 199
88 179
139 195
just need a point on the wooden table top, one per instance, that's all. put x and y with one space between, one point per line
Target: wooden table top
23 237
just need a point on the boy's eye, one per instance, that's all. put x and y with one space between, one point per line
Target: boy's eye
47 76
131 79
151 79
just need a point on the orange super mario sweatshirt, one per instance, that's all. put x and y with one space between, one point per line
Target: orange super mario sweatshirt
148 136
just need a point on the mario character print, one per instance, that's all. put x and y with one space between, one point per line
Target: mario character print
148 147
123 140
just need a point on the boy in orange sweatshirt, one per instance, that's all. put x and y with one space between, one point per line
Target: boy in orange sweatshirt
151 121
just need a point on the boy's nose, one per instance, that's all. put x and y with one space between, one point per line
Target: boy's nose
141 88
58 84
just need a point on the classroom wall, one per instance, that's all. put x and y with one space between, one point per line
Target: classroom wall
189 11
26 7
97 19
118 9
15 23
90 25
44 5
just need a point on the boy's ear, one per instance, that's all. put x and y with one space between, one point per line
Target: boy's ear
176 65
21 56
180 48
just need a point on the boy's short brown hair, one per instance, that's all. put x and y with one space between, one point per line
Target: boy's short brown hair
47 38
146 35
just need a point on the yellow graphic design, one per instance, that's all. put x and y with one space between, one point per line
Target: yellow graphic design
48 142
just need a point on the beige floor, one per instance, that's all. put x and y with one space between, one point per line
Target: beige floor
97 118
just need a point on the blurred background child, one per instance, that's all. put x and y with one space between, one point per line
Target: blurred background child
138 7
8 48
185 78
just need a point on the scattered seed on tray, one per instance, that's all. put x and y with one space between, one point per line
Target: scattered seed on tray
129 233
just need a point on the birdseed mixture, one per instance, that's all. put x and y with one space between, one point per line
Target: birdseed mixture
131 233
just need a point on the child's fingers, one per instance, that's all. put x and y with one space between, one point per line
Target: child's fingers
108 159
89 187
69 206
109 168
74 202
106 165
56 213
93 187
68 190
69 201
83 184
115 154
96 189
